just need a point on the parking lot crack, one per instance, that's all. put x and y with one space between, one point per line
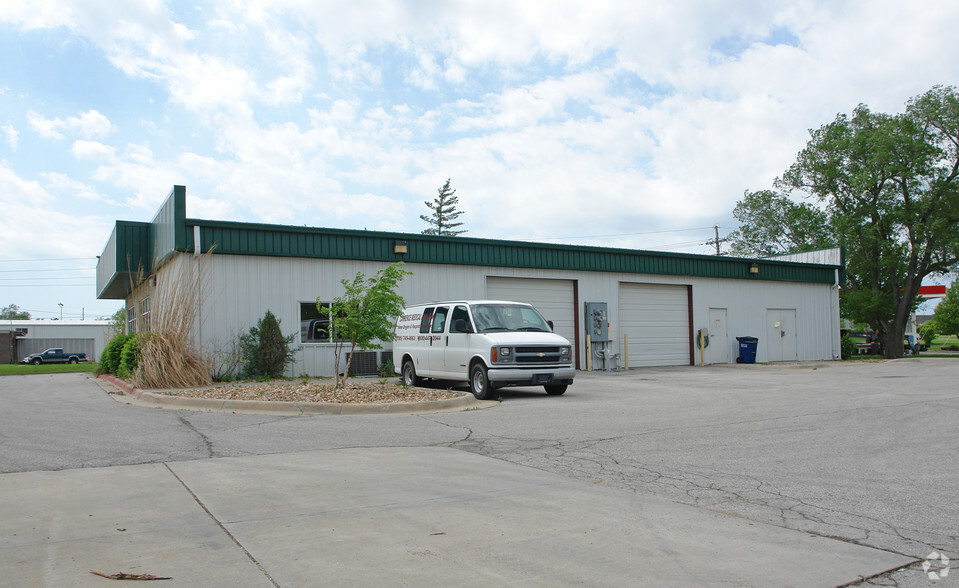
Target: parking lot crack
206 440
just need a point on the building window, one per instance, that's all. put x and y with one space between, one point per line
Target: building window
314 325
145 314
132 319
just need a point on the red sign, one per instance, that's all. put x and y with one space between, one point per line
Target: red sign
932 290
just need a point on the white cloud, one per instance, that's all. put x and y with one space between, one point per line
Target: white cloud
92 150
90 124
22 236
12 135
71 188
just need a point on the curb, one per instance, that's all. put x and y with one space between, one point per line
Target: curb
144 398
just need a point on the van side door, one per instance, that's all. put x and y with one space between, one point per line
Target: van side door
436 346
457 352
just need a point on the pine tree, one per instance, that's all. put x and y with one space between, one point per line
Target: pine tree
444 213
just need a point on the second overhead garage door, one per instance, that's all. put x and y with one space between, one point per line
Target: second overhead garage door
656 319
554 299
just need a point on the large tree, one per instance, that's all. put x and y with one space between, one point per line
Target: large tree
442 220
770 223
890 184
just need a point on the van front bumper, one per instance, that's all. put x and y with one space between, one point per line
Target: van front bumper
532 376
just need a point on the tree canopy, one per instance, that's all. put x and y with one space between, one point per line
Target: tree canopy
947 311
13 312
364 314
772 224
889 187
442 219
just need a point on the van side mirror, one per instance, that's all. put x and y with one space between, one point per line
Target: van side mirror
460 326
550 323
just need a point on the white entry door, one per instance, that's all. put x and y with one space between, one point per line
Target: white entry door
718 339
781 334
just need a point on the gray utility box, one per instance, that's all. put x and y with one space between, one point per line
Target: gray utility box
597 321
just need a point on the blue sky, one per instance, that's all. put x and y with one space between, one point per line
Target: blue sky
616 123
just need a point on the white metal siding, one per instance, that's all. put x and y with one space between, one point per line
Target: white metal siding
237 290
553 298
655 317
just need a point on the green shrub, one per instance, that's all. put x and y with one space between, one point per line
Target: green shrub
951 347
266 352
386 369
847 346
129 357
110 358
928 332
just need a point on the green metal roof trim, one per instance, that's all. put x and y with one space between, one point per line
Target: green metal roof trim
234 238
128 253
168 227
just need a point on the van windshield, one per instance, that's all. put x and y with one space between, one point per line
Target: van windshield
508 317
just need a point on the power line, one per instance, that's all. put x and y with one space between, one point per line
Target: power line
71 269
46 278
717 241
627 234
47 259
91 284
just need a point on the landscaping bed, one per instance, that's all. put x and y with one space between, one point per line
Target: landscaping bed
354 391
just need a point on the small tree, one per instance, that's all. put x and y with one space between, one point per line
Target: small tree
928 332
444 213
363 314
266 352
13 312
947 311
118 323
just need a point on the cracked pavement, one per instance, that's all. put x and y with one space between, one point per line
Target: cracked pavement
864 452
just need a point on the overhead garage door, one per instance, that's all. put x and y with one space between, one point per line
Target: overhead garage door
553 298
656 319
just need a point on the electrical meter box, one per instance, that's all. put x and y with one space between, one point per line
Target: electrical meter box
597 321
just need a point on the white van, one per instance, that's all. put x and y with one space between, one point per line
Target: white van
489 343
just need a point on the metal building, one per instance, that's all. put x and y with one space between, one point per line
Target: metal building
34 336
645 308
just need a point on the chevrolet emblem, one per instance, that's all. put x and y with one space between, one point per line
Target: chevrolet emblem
541 355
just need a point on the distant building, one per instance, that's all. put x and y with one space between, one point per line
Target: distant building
21 338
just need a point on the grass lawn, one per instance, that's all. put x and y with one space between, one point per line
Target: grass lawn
53 368
942 340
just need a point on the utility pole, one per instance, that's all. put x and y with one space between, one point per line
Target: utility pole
717 241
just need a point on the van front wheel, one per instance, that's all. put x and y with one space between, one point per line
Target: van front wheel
479 382
556 389
409 374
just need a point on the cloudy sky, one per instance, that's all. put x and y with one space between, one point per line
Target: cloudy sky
627 123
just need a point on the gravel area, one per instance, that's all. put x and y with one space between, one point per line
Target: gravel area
354 391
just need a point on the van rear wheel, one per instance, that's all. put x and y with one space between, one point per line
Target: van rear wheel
556 389
479 382
409 374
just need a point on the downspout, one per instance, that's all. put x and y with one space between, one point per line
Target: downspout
834 312
197 251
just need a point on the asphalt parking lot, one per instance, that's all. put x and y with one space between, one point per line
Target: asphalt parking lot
861 454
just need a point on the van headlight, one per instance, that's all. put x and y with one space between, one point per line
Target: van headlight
564 353
502 355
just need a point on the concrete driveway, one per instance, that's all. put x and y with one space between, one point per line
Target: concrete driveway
845 469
